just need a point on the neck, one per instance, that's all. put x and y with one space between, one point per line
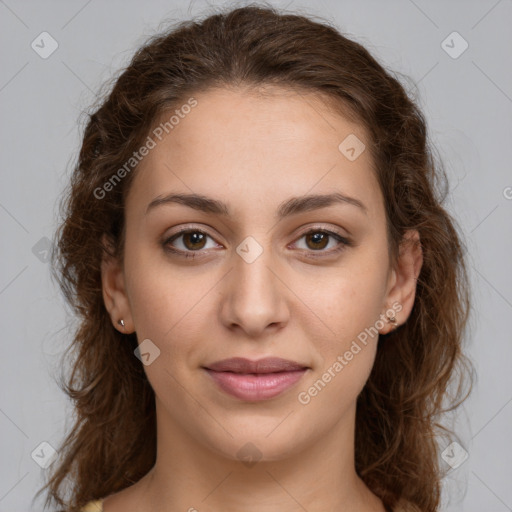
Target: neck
321 475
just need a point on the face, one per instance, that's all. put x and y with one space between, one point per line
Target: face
309 282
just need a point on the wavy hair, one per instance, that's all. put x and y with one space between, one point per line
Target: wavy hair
420 370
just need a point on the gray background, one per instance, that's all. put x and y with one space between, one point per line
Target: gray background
468 104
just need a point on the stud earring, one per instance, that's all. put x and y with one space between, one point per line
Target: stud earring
121 323
392 320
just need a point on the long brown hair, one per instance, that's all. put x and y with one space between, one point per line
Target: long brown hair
113 440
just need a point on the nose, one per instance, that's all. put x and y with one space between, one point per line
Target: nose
254 296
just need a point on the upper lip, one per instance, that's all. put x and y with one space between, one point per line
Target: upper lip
265 365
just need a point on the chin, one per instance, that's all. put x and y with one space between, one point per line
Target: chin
259 442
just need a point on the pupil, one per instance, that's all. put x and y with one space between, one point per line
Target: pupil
196 237
319 238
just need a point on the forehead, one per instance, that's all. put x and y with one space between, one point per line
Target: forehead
264 145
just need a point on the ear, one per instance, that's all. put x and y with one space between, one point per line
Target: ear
113 289
402 284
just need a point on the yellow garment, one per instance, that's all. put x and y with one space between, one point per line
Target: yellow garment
94 506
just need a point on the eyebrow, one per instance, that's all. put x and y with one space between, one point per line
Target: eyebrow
291 206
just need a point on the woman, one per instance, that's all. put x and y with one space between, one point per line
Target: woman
272 297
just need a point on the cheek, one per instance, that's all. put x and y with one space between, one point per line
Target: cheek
168 309
349 309
347 301
170 320
159 294
349 304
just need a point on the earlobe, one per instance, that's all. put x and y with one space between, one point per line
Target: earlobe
114 290
400 298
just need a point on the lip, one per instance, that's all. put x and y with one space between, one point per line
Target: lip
255 380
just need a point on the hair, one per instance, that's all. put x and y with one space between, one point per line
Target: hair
112 443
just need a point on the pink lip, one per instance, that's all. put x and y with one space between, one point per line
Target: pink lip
255 380
254 387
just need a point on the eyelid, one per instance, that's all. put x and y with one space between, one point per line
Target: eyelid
327 229
185 229
343 240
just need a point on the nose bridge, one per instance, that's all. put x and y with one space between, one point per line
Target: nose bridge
255 298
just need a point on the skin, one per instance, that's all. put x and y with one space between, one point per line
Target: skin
253 152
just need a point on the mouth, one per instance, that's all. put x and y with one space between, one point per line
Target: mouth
255 380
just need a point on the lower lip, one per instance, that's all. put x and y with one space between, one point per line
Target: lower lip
250 386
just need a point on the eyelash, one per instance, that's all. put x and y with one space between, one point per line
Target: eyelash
343 243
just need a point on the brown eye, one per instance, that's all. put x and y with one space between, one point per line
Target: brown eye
318 240
194 240
187 241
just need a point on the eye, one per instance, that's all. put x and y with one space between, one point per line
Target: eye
189 241
316 240
193 240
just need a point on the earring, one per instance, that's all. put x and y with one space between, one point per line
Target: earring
121 323
392 320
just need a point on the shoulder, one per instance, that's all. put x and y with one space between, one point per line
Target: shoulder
94 506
